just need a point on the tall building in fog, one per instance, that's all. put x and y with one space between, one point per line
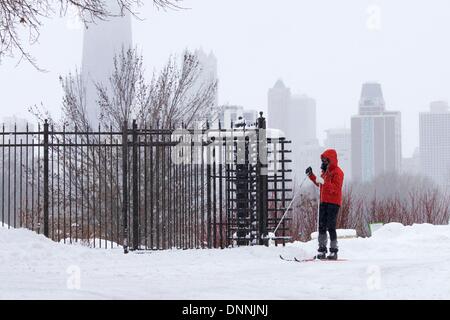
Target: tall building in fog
434 146
376 136
279 99
207 74
102 41
303 128
250 116
295 116
340 139
411 165
12 174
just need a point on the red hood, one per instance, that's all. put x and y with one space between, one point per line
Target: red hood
331 155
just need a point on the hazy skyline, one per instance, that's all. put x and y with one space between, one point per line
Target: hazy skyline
99 50
325 49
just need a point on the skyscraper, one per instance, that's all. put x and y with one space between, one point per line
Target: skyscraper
207 75
279 99
302 113
411 165
250 117
376 136
295 116
434 146
341 139
371 101
102 41
208 70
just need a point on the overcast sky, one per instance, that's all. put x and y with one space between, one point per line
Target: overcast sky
323 48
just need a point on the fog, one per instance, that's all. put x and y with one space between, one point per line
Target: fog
325 49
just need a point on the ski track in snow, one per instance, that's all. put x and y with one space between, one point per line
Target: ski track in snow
398 262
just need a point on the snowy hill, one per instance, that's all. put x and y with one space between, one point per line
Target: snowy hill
398 262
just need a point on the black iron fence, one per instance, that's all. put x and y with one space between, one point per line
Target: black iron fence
146 188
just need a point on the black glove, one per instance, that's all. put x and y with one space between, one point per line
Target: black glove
308 171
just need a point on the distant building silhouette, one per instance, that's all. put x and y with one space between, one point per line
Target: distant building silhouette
434 145
411 165
302 109
372 101
102 41
230 114
207 75
250 116
279 99
341 139
376 136
295 116
12 163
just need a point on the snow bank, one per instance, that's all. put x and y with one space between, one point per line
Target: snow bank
4 225
397 262
92 243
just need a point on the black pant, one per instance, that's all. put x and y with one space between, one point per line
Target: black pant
327 222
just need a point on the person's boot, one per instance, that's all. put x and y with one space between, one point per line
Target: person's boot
322 253
333 255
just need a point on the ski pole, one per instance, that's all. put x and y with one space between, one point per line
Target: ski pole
318 209
287 210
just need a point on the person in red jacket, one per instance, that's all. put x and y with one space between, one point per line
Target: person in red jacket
330 183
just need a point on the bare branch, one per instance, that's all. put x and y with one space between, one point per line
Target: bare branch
24 18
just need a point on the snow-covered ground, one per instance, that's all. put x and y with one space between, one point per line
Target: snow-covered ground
396 263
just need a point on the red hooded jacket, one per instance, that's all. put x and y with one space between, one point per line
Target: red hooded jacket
331 190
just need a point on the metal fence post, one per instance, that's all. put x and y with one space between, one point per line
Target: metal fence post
208 192
208 197
135 189
125 185
46 173
263 184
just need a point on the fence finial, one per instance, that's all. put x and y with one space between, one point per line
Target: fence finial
261 121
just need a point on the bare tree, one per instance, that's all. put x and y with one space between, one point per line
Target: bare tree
175 96
169 100
172 98
27 16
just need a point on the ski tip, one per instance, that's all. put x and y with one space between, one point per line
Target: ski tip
286 259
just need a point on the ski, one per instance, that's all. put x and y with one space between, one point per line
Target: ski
320 260
304 260
295 259
286 259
